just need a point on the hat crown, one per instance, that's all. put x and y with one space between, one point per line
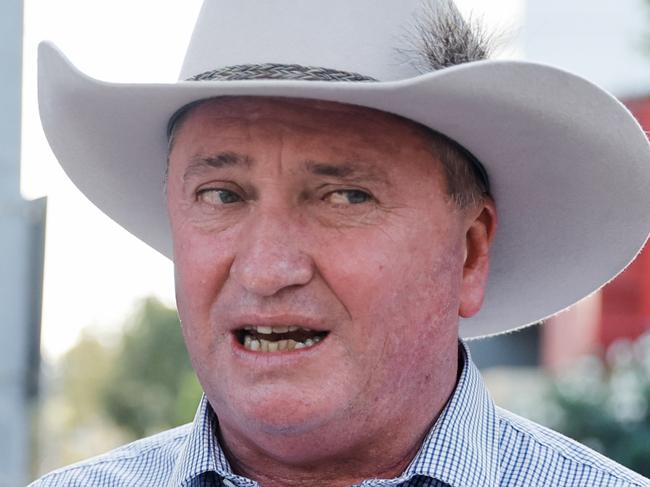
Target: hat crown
361 36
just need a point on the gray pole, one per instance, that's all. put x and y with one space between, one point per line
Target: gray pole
11 30
21 263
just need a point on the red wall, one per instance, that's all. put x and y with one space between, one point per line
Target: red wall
626 301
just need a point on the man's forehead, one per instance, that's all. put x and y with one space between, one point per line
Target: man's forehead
346 142
306 112
339 132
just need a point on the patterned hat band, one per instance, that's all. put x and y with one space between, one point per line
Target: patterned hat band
297 72
278 71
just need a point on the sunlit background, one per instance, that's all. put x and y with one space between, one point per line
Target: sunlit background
98 318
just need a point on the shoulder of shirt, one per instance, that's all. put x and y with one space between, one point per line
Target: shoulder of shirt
561 455
162 449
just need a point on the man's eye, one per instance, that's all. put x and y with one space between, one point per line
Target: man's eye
215 196
348 197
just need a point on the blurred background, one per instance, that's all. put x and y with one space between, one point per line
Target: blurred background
91 355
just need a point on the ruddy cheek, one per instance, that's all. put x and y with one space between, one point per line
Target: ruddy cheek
196 279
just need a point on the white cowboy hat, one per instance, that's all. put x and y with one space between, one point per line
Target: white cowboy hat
569 166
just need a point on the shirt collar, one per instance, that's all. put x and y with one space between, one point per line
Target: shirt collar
461 449
201 453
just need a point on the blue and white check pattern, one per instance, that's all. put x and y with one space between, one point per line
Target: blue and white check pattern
473 443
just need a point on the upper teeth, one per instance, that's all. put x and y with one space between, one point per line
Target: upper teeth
267 330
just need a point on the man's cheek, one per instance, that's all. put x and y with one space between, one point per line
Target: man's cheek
202 266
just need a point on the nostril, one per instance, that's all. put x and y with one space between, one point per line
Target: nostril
265 271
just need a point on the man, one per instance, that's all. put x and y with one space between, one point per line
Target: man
329 231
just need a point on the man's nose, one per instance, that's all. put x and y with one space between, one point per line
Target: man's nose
270 257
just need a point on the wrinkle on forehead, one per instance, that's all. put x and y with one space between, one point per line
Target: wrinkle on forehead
343 134
308 111
199 164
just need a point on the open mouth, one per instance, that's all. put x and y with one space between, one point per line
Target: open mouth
278 338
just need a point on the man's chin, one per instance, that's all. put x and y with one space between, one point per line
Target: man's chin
287 431
286 413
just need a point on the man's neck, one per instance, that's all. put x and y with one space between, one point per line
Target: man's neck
333 473
386 454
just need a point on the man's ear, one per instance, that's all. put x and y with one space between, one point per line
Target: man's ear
480 228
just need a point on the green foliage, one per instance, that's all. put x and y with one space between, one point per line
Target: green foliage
84 372
110 389
151 386
606 404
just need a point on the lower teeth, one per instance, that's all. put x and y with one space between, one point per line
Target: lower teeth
261 345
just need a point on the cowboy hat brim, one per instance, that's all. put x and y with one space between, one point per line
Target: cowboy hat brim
569 166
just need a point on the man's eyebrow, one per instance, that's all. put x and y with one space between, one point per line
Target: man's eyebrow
199 164
350 171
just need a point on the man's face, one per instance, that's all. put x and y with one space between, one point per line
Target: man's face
327 217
